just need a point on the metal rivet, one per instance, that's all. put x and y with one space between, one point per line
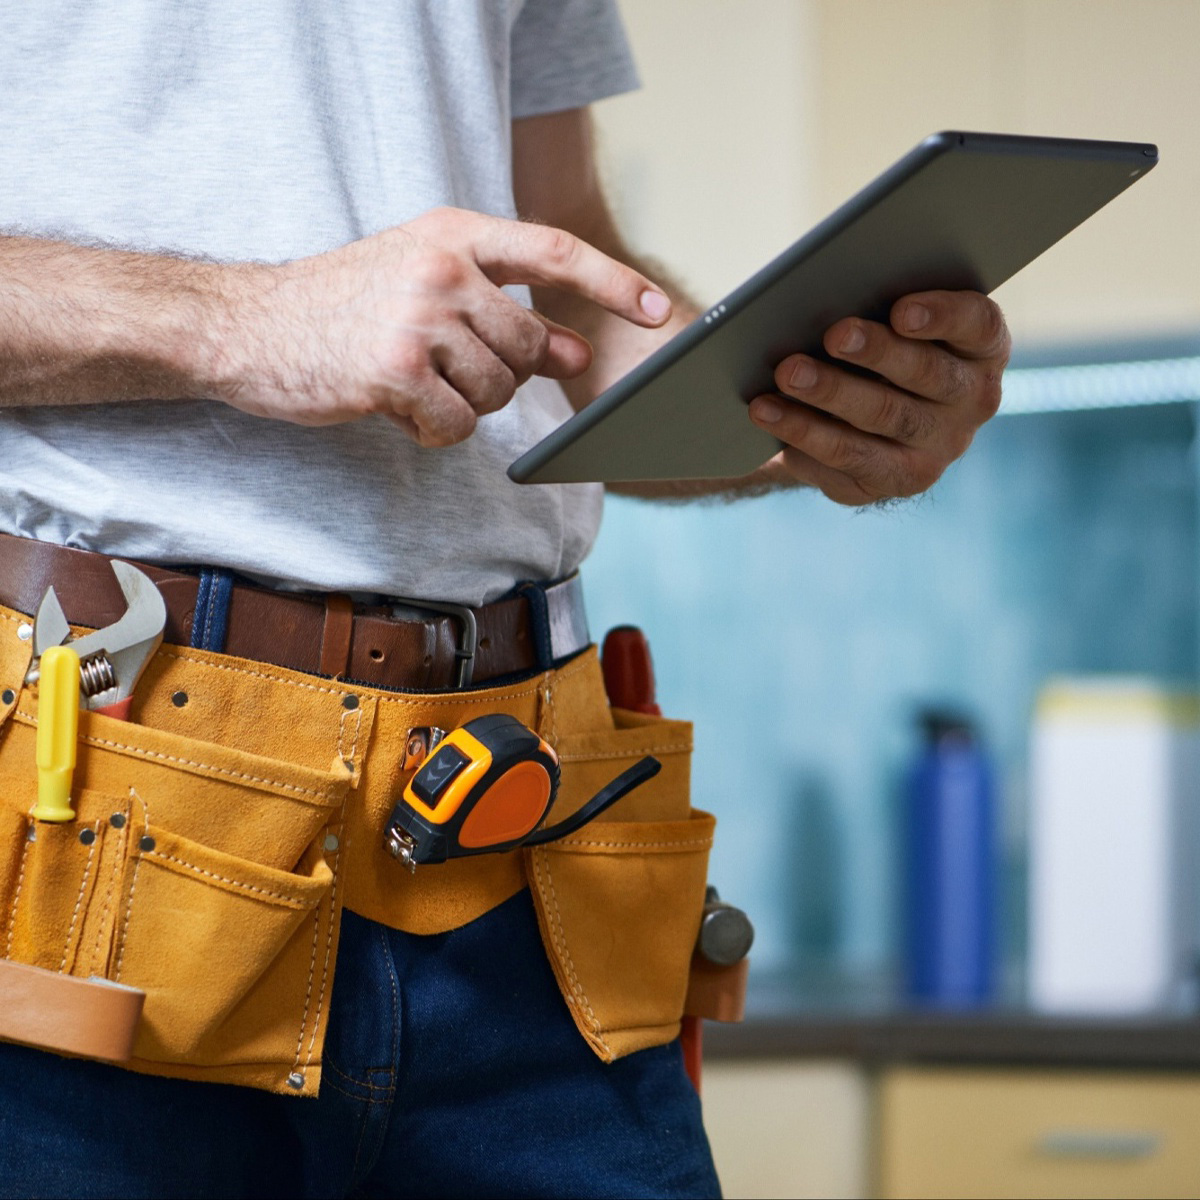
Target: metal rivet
146 843
8 696
331 842
24 631
117 820
179 699
31 834
87 836
350 702
295 1080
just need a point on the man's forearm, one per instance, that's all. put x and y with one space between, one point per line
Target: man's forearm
86 326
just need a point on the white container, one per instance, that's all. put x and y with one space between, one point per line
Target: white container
1113 838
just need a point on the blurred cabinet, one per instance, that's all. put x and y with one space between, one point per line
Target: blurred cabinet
788 1128
779 110
847 1128
892 71
957 1132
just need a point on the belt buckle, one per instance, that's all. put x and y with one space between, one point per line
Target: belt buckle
464 652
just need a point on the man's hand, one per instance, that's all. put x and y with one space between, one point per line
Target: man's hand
411 324
863 439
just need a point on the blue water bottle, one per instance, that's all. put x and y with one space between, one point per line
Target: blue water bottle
950 868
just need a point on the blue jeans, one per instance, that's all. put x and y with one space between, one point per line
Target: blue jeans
451 1068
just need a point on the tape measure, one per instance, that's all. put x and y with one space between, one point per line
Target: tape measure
486 788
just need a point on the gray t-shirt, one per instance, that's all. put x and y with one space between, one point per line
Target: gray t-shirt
270 130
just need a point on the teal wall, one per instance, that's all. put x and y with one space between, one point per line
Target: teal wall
800 637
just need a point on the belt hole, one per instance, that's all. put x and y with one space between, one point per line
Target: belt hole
428 659
377 656
350 702
179 699
9 696
484 643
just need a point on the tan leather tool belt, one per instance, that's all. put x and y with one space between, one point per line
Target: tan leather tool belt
221 831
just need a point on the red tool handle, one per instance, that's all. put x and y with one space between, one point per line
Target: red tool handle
629 682
628 671
120 710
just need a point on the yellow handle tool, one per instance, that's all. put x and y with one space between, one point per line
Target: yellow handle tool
57 733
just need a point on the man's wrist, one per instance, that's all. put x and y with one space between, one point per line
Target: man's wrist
217 334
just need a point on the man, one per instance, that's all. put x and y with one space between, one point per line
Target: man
253 321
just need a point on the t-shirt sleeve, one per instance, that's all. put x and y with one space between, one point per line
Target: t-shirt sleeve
567 54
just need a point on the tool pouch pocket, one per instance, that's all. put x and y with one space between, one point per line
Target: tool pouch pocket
620 901
199 874
204 934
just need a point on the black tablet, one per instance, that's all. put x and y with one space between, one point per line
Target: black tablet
962 210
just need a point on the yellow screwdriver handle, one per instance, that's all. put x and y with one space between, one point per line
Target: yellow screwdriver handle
57 733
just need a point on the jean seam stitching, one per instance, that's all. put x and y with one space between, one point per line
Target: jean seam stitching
328 1065
329 1083
387 1099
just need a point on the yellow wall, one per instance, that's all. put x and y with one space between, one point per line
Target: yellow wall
759 117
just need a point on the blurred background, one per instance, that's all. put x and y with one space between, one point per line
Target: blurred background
1041 603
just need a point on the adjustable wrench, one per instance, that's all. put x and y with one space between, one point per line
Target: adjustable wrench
112 659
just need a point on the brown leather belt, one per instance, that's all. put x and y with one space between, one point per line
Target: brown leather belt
324 634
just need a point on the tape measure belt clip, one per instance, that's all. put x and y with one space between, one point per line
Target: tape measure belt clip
485 789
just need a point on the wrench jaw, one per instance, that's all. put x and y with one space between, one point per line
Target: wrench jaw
50 628
112 659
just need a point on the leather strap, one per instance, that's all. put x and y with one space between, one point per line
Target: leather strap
306 632
91 1017
337 635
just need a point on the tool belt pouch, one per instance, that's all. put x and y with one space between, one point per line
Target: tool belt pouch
620 902
219 832
200 875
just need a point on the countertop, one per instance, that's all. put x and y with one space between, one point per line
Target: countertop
996 1038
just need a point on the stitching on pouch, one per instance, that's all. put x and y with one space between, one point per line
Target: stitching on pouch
641 845
553 735
411 702
342 733
290 901
604 756
141 752
559 939
328 947
456 699
312 966
12 912
296 683
145 806
137 866
87 870
118 857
